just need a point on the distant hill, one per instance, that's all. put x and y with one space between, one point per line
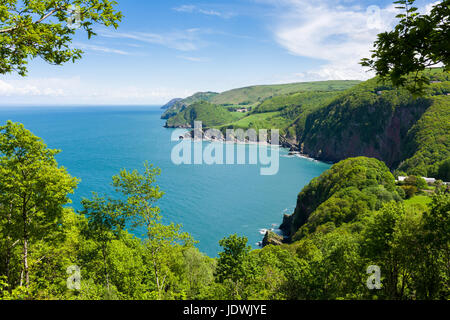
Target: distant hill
282 112
170 103
346 192
250 97
210 114
335 120
256 94
182 104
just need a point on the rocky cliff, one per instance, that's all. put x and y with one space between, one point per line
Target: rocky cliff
374 128
376 120
348 190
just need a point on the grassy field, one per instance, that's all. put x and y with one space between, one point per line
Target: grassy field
418 201
210 114
268 120
270 107
256 94
178 106
252 97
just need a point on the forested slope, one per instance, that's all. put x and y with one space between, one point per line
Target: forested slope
351 217
325 122
342 194
377 120
182 104
251 97
210 114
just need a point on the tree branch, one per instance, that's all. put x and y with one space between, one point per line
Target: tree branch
37 22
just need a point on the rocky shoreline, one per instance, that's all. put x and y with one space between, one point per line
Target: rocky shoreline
208 136
294 150
270 237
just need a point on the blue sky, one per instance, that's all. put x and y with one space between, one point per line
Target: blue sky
172 48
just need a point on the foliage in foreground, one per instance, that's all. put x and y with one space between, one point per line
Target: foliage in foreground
45 29
409 241
419 41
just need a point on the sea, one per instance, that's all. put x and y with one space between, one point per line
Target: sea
209 201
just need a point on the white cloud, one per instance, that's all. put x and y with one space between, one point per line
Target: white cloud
430 6
339 35
134 94
194 59
185 8
90 47
76 91
184 40
209 12
6 88
27 87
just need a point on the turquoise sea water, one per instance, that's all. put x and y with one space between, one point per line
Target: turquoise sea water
211 202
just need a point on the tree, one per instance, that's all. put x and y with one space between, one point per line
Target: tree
45 28
231 264
436 274
32 188
105 221
417 182
377 248
199 272
141 195
444 170
235 265
418 42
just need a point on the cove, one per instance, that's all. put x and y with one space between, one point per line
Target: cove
210 201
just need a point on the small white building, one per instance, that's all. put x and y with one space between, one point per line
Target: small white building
428 180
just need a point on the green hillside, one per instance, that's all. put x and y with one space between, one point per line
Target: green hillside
256 94
353 216
347 191
210 114
251 97
377 120
170 103
288 113
259 121
428 141
370 119
278 112
291 102
274 113
182 104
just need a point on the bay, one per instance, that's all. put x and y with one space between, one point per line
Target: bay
211 202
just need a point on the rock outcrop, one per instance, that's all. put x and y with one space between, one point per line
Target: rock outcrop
271 238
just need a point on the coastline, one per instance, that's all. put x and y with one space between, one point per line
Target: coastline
292 150
276 234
